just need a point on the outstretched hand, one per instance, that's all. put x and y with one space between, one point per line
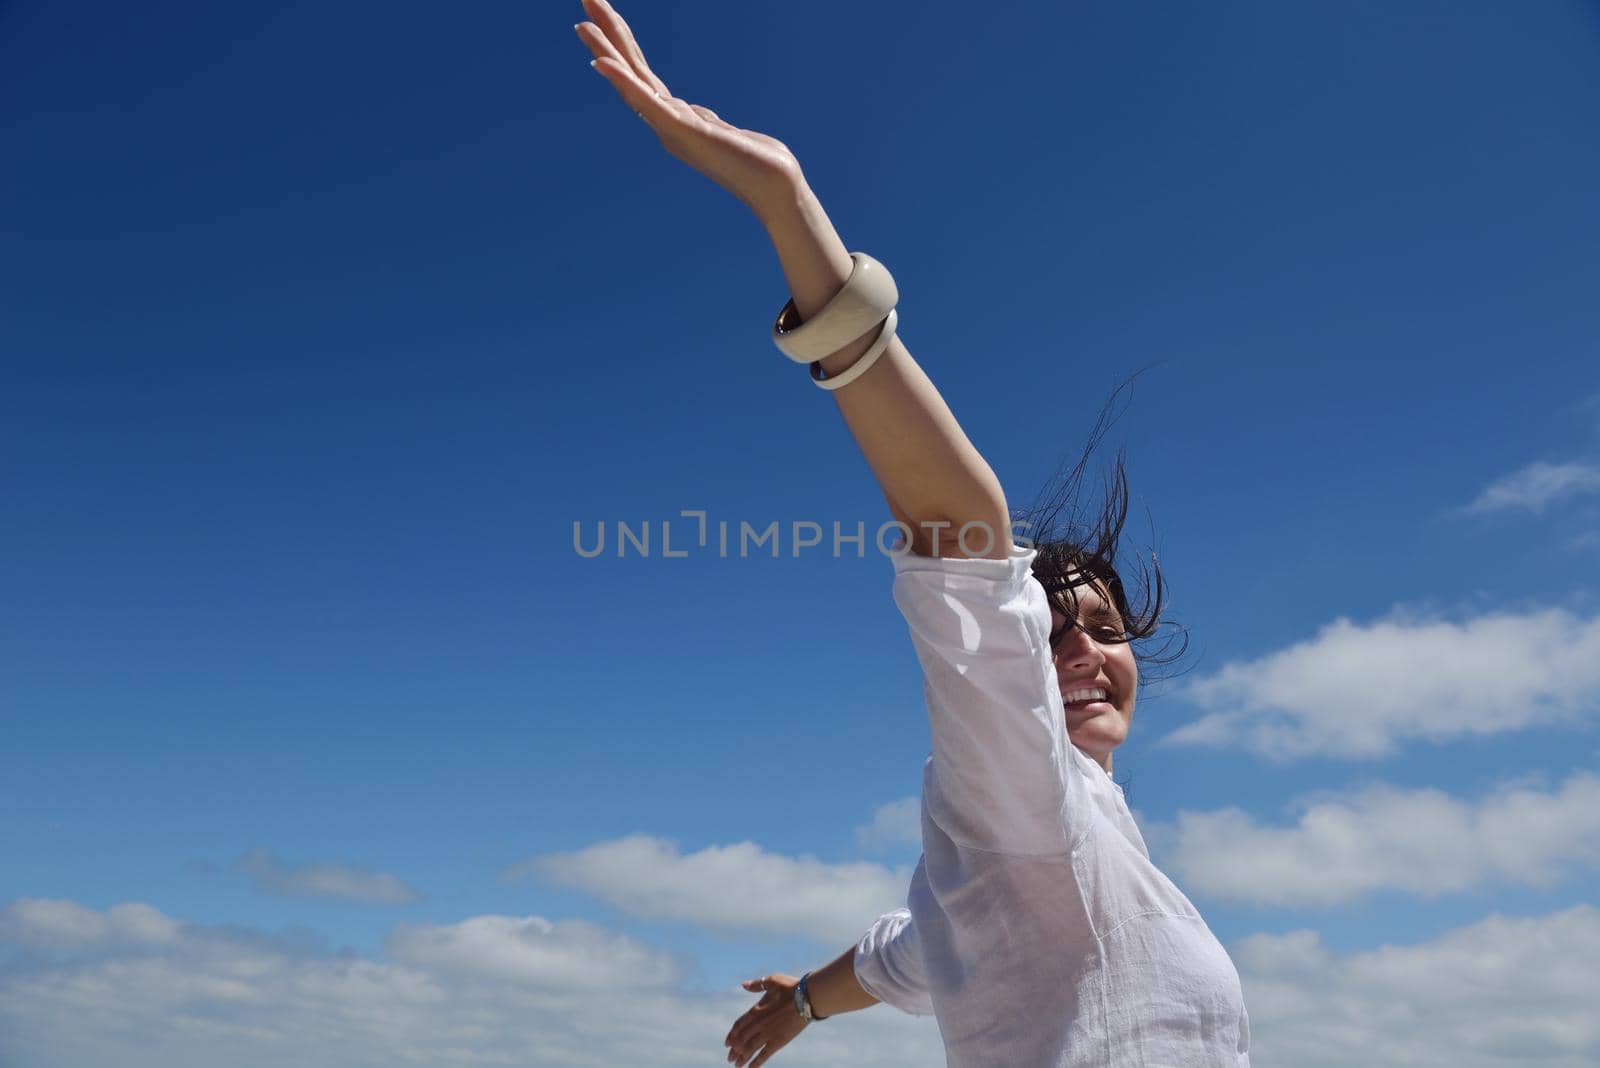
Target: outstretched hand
759 170
769 1025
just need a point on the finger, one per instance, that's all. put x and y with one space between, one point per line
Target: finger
621 36
645 102
709 115
599 43
750 1035
618 71
743 1053
766 1053
741 1035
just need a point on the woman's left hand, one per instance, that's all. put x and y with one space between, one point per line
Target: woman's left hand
769 1025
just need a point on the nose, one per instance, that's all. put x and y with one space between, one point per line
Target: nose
1077 650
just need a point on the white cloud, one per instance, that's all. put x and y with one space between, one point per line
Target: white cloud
1359 690
342 881
491 990
733 888
897 823
44 923
1536 486
1500 992
1381 838
528 949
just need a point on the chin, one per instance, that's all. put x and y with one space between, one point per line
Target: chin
1097 743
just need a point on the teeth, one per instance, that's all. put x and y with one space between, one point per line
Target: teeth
1083 695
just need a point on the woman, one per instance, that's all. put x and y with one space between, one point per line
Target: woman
1036 930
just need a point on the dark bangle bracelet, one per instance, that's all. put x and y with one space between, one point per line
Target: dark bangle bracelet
802 999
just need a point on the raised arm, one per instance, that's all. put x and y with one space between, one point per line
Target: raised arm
932 477
928 470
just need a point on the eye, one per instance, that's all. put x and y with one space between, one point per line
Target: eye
1103 632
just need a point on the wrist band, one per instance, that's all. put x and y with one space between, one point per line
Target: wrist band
859 367
802 999
868 298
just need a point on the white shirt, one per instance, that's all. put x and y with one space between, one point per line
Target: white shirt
1036 930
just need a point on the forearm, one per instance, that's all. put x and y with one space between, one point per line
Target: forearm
928 470
835 989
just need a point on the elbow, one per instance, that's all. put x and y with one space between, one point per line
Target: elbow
984 536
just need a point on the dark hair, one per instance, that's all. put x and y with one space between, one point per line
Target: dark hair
1073 552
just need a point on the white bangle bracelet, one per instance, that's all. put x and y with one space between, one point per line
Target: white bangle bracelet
868 295
859 368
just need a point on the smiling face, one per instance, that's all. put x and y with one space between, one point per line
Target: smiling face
1084 660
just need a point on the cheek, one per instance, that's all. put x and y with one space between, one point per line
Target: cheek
1127 669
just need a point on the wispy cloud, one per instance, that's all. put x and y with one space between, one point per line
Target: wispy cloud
323 879
1346 846
1536 486
732 888
1359 690
1589 539
896 824
487 990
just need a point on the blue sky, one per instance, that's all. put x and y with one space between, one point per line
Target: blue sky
324 324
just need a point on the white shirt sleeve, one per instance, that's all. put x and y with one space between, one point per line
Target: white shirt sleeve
889 964
998 778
